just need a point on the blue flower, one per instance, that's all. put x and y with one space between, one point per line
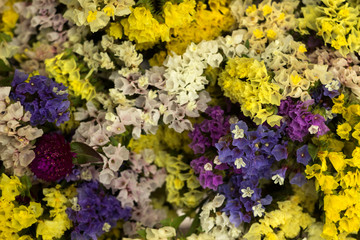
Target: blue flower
279 152
302 155
46 100
96 209
299 179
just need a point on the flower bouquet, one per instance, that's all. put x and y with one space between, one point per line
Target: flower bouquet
180 119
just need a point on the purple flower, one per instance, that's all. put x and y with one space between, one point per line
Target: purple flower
46 100
53 157
96 210
279 152
207 133
299 179
302 155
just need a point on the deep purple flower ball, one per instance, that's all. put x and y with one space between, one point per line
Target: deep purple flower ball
53 157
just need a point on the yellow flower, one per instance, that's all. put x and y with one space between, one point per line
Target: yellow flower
302 48
53 229
251 9
267 10
271 34
327 183
36 209
295 79
91 16
337 159
179 15
158 59
281 16
10 187
178 184
109 10
343 130
22 218
356 135
329 231
25 237
9 19
258 33
115 30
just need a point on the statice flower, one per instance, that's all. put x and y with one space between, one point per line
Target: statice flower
46 100
16 135
300 121
302 155
97 212
53 157
207 178
209 131
250 154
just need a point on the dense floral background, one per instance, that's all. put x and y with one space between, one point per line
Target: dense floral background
180 119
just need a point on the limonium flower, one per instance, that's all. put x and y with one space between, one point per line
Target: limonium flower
98 212
45 99
53 158
209 131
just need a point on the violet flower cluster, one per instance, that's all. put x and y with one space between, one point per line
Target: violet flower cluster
300 121
251 155
209 131
95 212
46 100
207 178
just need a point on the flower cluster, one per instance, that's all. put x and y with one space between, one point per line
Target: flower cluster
93 212
253 93
46 100
179 119
53 157
299 121
16 145
208 132
335 21
250 155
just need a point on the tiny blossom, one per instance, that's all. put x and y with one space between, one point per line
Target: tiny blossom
248 192
239 163
217 161
258 210
238 133
313 129
208 167
278 179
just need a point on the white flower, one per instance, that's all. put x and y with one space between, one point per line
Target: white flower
258 210
248 192
238 132
333 85
218 200
313 129
208 167
239 163
278 179
106 227
217 161
328 114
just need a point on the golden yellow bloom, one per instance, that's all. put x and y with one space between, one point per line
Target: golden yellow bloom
343 130
91 16
115 30
251 9
109 10
295 79
258 33
267 10
271 34
302 48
